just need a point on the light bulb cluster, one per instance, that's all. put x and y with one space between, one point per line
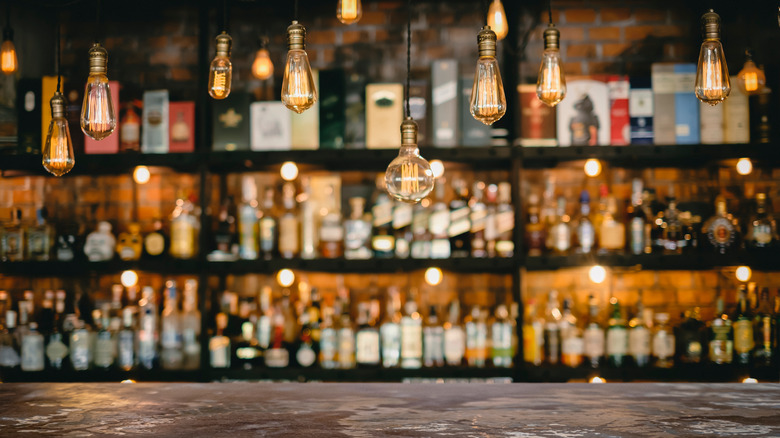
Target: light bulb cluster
712 73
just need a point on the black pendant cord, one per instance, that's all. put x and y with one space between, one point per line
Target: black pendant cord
486 10
549 10
57 56
408 55
295 10
8 15
97 22
224 16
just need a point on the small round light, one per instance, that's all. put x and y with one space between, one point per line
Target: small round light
127 381
437 167
285 277
141 174
129 278
289 171
598 379
744 273
433 276
749 380
592 167
744 166
597 274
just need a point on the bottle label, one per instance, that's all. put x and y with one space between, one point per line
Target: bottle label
433 345
219 346
532 350
104 350
617 341
586 236
182 239
476 341
478 220
383 214
411 339
459 221
247 226
663 345
79 349
439 222
264 331
612 235
561 237
32 352
454 345
305 356
288 234
328 347
639 342
743 336
267 234
277 358
367 345
402 215
440 249
721 350
721 232
154 243
391 344
765 326
331 233
505 222
56 350
762 234
125 357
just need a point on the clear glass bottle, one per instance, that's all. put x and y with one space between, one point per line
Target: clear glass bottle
104 347
403 214
535 233
639 337
126 356
190 326
411 335
762 228
764 331
552 329
268 226
454 336
248 223
478 220
721 336
328 340
585 232
476 338
383 239
502 333
147 329
171 357
80 346
559 235
433 340
612 232
421 237
367 352
572 344
593 336
100 244
460 220
439 224
219 344
56 350
12 238
346 339
617 336
32 350
663 342
289 225
185 228
357 232
39 238
505 221
637 220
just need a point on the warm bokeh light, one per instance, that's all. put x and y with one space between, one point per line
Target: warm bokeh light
127 381
496 19
749 380
597 274
262 67
433 276
141 175
744 166
289 171
285 277
597 379
744 273
592 167
437 167
129 278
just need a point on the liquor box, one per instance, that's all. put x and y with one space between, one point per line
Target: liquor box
110 144
736 117
332 109
182 122
154 135
419 108
48 88
231 123
686 105
444 99
584 116
620 123
355 98
537 120
640 111
29 107
473 132
664 119
271 127
384 115
306 126
711 123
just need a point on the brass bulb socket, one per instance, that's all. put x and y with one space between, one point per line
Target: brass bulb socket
486 41
296 36
710 22
224 44
58 104
552 37
409 132
98 59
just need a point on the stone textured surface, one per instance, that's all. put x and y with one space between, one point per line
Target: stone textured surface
379 410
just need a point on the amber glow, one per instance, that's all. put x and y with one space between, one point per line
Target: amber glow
58 158
744 166
298 90
743 273
496 19
433 276
712 75
751 79
141 175
262 67
8 60
349 11
551 83
592 167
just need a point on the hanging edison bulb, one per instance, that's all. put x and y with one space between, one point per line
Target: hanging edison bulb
712 73
8 60
488 101
349 11
263 67
551 84
496 19
298 90
58 158
409 177
751 79
221 69
98 120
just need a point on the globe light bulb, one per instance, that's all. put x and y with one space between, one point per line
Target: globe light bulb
488 101
743 273
592 167
58 158
551 84
712 73
496 19
744 166
221 69
8 61
751 79
141 175
409 177
262 67
349 11
98 120
298 90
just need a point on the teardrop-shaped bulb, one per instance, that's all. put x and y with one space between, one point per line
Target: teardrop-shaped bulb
409 177
8 60
97 120
712 74
349 11
262 67
751 79
221 69
58 157
496 19
299 92
551 83
488 101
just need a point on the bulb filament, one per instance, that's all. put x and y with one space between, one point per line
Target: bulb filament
220 81
410 182
751 81
550 86
349 9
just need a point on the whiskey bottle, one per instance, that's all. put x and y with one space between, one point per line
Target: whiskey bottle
637 221
226 246
171 356
308 242
309 337
289 225
346 339
505 221
535 234
80 346
559 236
491 232
433 340
612 233
584 231
421 237
100 244
639 335
184 229
552 329
476 338
248 220
12 239
56 350
720 230
328 340
357 232
367 353
147 329
762 229
663 342
331 236
721 336
411 336
439 224
219 345
383 239
460 221
39 238
691 337
268 226
502 332
617 336
156 242
32 357
533 335
478 220
403 215
130 244
454 337
190 326
593 335
764 331
130 129
572 344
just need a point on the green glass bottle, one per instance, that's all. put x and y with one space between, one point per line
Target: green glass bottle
617 336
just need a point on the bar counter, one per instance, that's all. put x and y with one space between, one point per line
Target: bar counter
384 409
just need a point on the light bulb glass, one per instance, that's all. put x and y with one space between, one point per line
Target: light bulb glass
551 83
592 167
58 157
433 276
712 74
751 79
289 171
285 277
141 175
220 77
744 166
488 101
129 278
597 274
349 11
743 273
409 177
438 168
496 19
8 60
298 90
262 67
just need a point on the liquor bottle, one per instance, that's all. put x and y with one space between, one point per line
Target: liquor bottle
219 344
691 337
491 230
460 221
309 337
663 342
277 356
190 326
559 235
105 350
478 220
654 229
65 245
743 330
328 340
367 353
402 229
46 315
433 340
535 235
585 233
411 335
593 336
612 232
126 357
80 346
185 227
289 225
439 224
130 244
39 238
147 329
421 237
12 239
130 129
248 354
502 332
390 330
533 335
476 338
764 331
156 242
505 221
331 236
552 329
268 226
454 337
761 229
639 338
248 220
617 336
357 232
56 350
721 336
572 344
225 247
383 239
346 339
264 320
100 244
721 230
171 357
32 350
9 346
637 220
